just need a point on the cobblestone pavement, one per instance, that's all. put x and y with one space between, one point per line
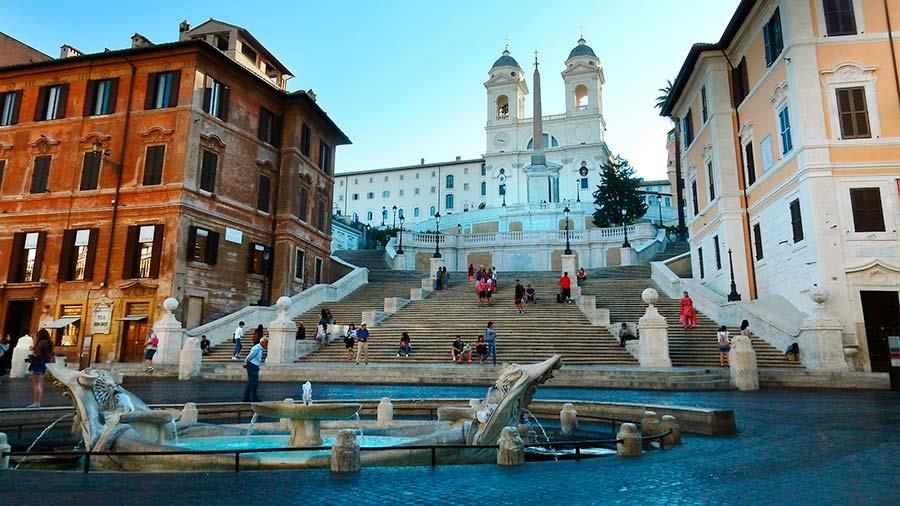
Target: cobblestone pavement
805 447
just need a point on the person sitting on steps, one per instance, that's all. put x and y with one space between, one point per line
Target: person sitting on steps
580 276
625 333
530 294
459 349
405 346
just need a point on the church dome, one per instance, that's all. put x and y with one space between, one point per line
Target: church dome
582 49
505 61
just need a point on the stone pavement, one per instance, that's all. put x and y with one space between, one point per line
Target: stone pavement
806 447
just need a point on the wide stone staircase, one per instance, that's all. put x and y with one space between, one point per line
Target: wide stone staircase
544 329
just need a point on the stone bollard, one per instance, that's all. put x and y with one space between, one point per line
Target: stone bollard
650 424
385 411
19 368
654 333
285 423
189 359
568 419
630 445
4 447
670 424
345 452
742 364
170 333
189 413
511 451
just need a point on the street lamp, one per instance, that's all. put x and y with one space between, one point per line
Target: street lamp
625 244
368 233
578 189
437 235
733 296
400 246
659 207
395 217
383 215
568 250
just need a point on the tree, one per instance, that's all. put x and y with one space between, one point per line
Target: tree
618 190
665 91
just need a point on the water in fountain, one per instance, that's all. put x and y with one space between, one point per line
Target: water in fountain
252 423
307 393
528 415
174 431
358 425
46 430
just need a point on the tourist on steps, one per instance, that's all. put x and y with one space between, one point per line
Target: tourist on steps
481 349
350 341
490 336
625 333
301 332
481 291
490 287
252 363
530 294
520 294
405 345
437 279
723 339
150 347
688 315
258 333
565 288
205 346
41 355
580 276
745 329
236 339
471 272
362 343
459 349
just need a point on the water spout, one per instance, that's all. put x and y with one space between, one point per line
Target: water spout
174 431
46 430
252 423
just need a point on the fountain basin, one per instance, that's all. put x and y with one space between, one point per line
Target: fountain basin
306 419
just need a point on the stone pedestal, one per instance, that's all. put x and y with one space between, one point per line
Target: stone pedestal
627 256
742 362
385 411
569 264
189 413
345 452
373 318
400 262
511 451
650 423
393 304
189 359
568 419
670 424
821 344
282 332
420 293
576 292
4 447
434 264
170 333
654 334
428 283
630 445
19 368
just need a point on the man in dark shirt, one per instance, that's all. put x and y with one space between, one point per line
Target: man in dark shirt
520 295
204 345
301 332
458 350
362 343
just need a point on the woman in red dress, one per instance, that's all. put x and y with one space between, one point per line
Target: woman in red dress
688 315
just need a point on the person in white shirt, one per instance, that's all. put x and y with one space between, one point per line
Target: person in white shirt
238 334
252 363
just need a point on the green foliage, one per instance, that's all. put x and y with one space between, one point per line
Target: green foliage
664 93
381 235
675 232
618 190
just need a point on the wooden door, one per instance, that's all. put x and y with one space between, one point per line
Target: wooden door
134 335
881 313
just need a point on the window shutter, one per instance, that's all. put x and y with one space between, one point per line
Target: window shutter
40 109
90 171
63 95
796 221
751 165
224 100
262 197
152 81
129 262
39 257
113 95
176 83
15 258
64 273
700 261
269 265
757 239
207 98
91 254
208 171
157 250
250 257
16 106
212 247
90 97
191 242
868 215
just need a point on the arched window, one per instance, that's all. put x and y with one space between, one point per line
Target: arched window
415 212
448 201
483 170
581 97
502 107
432 211
483 188
549 142
369 216
465 208
355 217
449 184
400 213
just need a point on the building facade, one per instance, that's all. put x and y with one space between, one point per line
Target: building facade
130 176
789 132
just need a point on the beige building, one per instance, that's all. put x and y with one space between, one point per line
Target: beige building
789 131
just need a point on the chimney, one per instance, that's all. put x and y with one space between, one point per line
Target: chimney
458 158
312 94
184 27
67 51
422 162
138 40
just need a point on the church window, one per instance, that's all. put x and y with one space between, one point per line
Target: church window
483 188
465 186
581 97
584 183
483 170
549 142
415 212
431 211
502 107
369 216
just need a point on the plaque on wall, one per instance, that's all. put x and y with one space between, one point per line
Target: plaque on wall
234 235
101 316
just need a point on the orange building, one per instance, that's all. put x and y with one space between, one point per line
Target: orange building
130 176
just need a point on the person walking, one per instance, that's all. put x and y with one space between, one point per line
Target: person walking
252 363
362 343
471 272
150 347
489 288
350 341
481 291
405 345
745 328
723 339
446 278
236 339
41 355
490 337
301 332
565 287
258 333
520 295
688 315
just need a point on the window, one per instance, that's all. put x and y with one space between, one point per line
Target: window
449 184
431 211
100 98
483 188
355 196
718 253
448 201
694 197
386 178
757 241
143 249
51 102
784 121
749 163
317 271
704 110
263 192
302 204
305 140
369 216
299 264
687 129
400 213
668 201
853 111
465 186
548 140
370 195
401 192
502 107
371 180
839 17
162 90
90 171
433 173
700 261
385 194
341 199
41 174
772 38
26 257
401 177
417 175
153 165
216 98
765 148
248 51
415 212
324 157
868 215
203 246
208 171
712 180
584 183
260 259
465 172
10 103
433 189
269 127
416 191
321 217
483 170
796 221
740 82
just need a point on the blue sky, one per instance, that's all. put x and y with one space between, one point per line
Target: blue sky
404 78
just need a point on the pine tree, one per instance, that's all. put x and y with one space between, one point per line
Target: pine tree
618 190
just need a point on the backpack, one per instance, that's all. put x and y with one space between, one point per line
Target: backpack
559 298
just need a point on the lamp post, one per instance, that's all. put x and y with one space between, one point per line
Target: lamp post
368 233
568 250
437 235
395 218
659 207
400 246
383 215
578 189
625 244
733 295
